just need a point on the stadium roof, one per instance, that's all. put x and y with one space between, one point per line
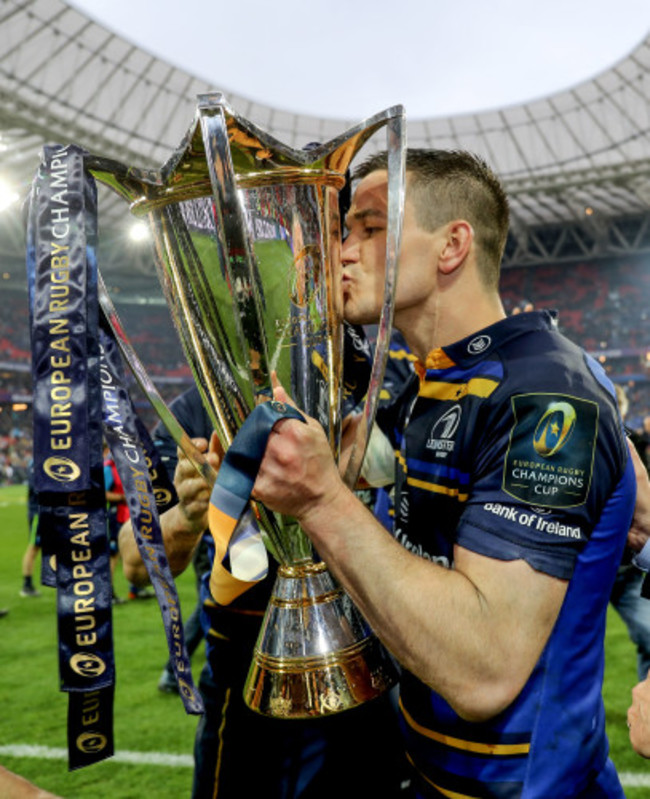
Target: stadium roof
576 163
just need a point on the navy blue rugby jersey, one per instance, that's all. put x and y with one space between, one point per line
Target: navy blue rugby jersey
513 448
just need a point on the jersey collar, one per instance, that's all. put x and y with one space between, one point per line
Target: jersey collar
480 344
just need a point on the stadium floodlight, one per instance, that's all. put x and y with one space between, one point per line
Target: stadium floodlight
8 195
139 231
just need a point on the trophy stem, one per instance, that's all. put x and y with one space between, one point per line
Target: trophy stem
315 655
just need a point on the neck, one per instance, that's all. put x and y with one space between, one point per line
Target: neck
448 319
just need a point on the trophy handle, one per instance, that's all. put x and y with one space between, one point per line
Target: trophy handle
235 246
396 147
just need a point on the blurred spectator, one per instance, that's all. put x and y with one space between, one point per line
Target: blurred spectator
626 594
117 511
34 541
645 441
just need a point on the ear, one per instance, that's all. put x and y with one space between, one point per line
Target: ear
460 236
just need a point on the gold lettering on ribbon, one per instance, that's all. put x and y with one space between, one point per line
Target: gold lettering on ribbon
59 293
83 588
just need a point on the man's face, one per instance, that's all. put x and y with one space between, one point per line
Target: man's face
364 254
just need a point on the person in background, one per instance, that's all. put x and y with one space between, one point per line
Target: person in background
34 542
644 438
237 752
192 629
638 714
117 513
626 597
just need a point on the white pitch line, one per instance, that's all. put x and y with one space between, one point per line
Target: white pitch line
139 758
632 779
629 779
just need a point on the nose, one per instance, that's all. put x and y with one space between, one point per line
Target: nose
349 250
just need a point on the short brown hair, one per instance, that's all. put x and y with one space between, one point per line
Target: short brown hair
455 184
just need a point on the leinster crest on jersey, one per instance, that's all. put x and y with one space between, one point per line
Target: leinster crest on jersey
441 437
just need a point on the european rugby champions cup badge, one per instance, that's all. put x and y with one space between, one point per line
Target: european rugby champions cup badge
248 242
550 456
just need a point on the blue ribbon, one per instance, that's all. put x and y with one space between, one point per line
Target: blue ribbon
136 459
68 471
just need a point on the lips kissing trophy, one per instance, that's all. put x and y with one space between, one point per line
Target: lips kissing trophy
248 248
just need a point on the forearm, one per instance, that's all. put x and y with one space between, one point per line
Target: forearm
180 537
435 621
13 786
473 633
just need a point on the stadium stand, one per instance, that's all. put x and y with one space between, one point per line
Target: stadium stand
603 306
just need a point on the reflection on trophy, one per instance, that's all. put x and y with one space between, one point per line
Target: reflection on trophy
248 241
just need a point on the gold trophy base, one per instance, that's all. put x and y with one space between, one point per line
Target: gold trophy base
315 655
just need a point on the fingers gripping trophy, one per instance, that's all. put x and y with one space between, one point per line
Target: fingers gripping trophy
248 249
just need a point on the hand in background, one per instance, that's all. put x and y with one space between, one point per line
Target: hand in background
638 718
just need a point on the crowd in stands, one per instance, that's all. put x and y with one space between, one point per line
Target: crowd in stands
150 331
14 329
604 306
15 456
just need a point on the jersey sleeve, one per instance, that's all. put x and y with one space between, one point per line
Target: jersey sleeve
544 474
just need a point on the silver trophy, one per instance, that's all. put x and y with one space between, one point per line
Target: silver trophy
248 250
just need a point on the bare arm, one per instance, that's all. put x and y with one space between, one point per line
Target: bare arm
473 633
182 525
639 532
12 786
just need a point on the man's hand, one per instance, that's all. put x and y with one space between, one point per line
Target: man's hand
640 529
298 472
193 491
638 718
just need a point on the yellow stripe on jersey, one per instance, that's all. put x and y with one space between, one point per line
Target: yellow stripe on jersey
443 791
438 359
319 363
467 746
436 488
427 486
476 387
401 355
